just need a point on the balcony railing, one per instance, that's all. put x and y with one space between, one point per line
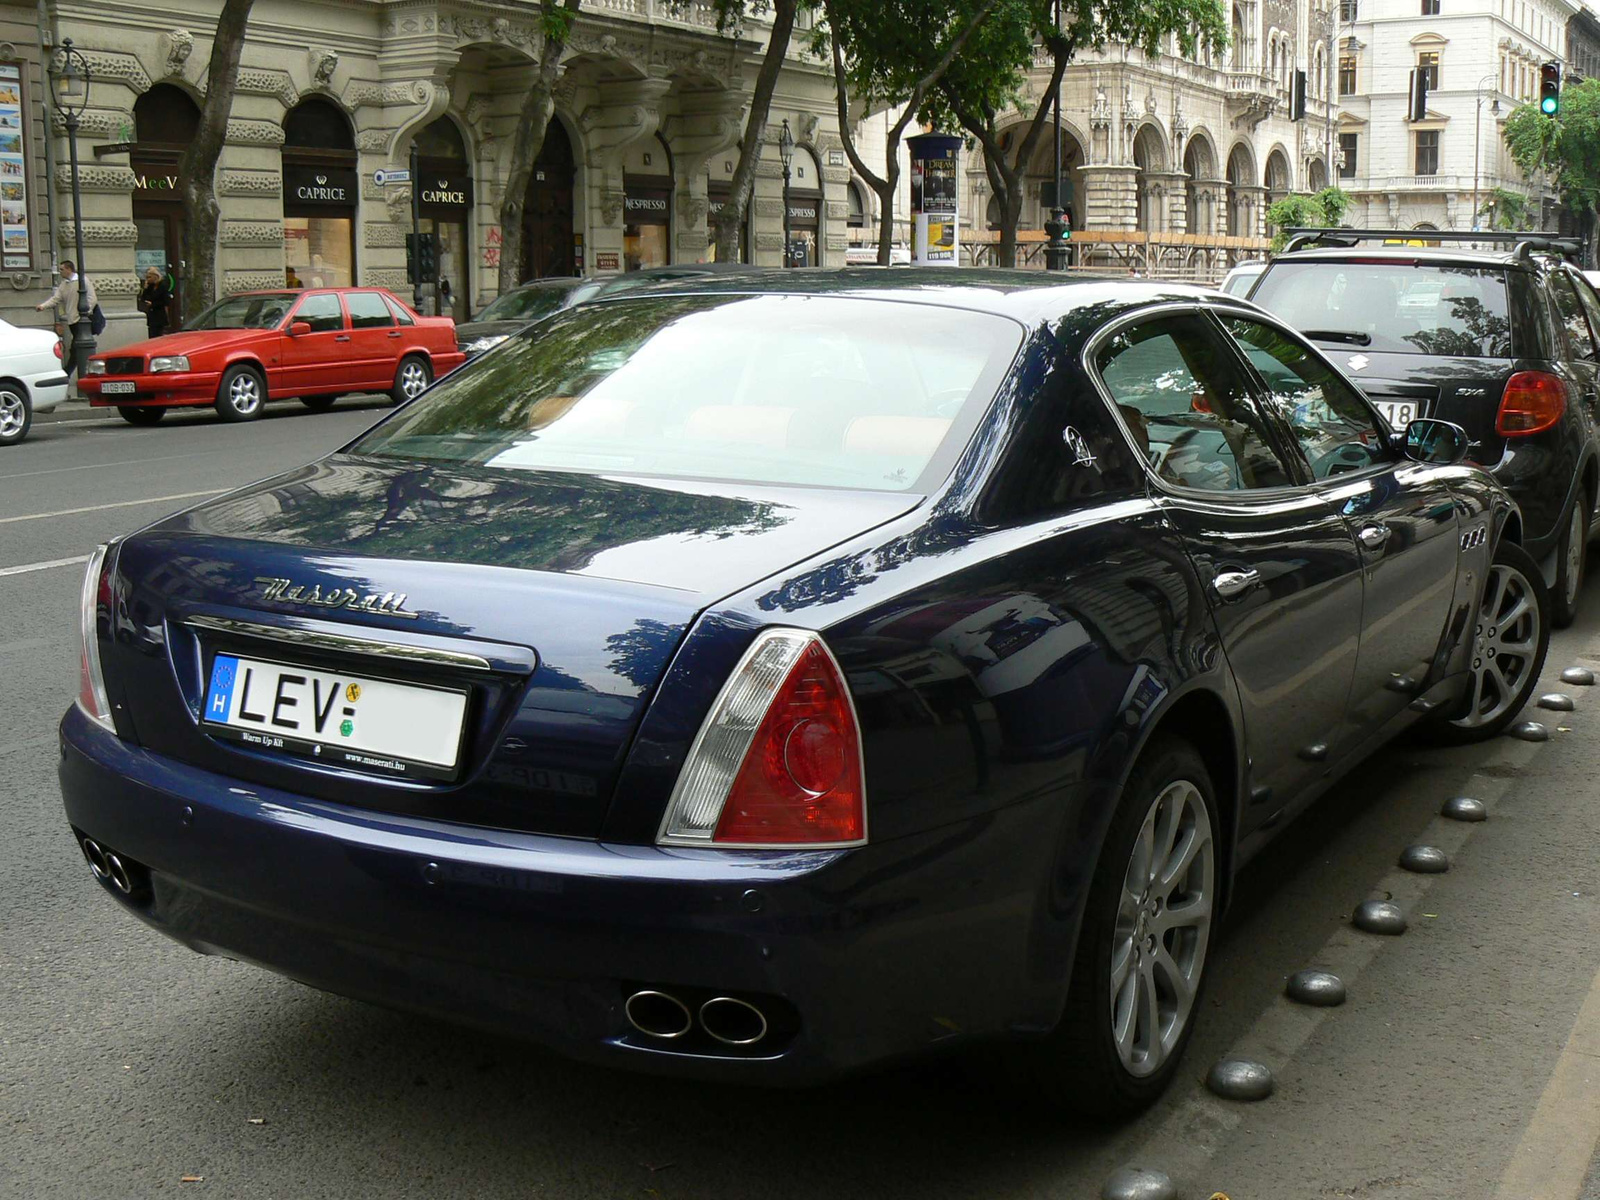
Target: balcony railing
1430 183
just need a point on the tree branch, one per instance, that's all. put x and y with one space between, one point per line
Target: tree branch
919 93
1063 49
842 96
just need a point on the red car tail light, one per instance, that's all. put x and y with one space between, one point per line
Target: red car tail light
57 347
91 682
1533 401
778 762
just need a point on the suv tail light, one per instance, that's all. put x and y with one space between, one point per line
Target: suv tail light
1533 401
778 762
91 683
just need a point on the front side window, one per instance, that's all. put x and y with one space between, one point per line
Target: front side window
820 391
1397 307
1427 152
1187 406
1331 423
321 312
368 311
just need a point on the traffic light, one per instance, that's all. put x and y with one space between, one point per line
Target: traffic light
1550 88
1419 95
1297 97
422 258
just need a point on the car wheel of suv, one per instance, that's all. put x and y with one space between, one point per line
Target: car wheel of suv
1141 957
140 416
1509 639
16 414
411 380
1569 566
241 394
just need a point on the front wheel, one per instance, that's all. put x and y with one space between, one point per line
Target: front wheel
140 416
411 380
16 415
1510 636
1147 927
241 394
1569 566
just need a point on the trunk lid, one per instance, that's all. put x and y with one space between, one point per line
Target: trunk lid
553 602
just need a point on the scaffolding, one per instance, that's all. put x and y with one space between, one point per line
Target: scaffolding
1193 257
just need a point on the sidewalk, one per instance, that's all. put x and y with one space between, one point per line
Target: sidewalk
73 410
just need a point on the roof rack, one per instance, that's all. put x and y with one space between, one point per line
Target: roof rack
1522 244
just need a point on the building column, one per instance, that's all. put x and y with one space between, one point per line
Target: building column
1174 187
1110 197
1211 206
707 123
631 113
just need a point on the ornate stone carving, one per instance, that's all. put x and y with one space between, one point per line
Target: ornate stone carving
393 278
837 210
255 133
381 235
476 107
1100 114
127 68
119 180
177 45
321 62
611 207
692 212
808 126
256 81
253 281
99 233
234 182
250 233
1150 102
769 241
117 285
375 140
768 206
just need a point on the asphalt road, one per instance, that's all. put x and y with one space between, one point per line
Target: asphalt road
1466 1063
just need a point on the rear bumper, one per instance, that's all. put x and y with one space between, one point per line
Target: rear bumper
883 952
166 390
46 392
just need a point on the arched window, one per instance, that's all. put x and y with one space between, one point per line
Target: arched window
320 195
165 121
444 208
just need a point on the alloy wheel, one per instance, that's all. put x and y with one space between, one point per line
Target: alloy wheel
1574 554
1505 645
413 379
13 414
244 394
1163 928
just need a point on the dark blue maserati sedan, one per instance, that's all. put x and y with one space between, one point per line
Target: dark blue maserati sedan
767 678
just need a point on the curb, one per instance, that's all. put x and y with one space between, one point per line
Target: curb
73 410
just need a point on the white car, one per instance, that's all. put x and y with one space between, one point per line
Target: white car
32 378
1242 278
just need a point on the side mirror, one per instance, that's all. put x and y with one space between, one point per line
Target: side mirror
299 328
1438 442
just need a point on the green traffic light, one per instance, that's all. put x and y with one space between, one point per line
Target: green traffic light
1549 105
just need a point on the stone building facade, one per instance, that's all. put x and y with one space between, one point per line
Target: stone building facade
26 160
649 113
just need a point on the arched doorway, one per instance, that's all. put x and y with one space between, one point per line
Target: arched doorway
320 195
547 234
1039 182
647 202
1150 157
1200 203
805 210
165 121
444 203
1316 176
1279 180
1241 185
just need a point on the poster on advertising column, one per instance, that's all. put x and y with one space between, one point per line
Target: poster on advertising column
16 233
935 199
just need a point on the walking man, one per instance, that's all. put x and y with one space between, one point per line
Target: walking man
65 300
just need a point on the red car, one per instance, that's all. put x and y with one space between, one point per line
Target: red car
259 346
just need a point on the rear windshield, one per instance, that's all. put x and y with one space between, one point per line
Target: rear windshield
526 304
1399 307
818 390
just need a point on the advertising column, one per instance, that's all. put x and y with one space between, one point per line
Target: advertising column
936 231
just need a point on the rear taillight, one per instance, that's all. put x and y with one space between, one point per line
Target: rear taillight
778 762
57 347
96 599
1533 402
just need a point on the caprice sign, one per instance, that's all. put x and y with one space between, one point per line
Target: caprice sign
320 189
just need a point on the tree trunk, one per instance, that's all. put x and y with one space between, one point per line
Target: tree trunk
538 108
732 217
197 169
886 210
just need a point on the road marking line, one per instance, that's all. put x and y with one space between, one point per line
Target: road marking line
68 512
1552 1159
121 462
44 566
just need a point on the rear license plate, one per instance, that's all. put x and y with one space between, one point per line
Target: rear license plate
117 388
350 720
1399 413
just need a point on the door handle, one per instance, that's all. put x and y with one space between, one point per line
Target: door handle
1373 536
1229 584
343 337
394 333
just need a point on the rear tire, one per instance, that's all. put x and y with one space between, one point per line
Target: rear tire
318 403
411 378
1139 974
1510 637
16 414
241 394
1568 589
140 416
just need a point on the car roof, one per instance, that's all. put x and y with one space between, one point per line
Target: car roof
1432 255
1026 296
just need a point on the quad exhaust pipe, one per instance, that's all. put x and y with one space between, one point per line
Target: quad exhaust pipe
728 1020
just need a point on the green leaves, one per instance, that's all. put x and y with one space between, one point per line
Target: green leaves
1325 210
1567 146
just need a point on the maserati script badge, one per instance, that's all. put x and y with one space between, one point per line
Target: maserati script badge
287 591
1357 362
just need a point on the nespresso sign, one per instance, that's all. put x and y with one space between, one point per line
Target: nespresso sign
319 185
647 206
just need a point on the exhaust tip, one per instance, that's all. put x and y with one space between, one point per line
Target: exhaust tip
658 1015
119 875
733 1022
96 858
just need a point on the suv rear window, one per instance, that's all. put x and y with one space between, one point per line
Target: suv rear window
1398 307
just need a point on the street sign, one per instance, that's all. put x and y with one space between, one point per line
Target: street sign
114 148
385 175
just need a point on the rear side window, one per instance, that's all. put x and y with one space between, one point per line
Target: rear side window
1573 321
321 312
1398 307
1185 402
367 311
400 315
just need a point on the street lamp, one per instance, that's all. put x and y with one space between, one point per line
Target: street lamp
786 156
1477 142
69 92
1055 253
